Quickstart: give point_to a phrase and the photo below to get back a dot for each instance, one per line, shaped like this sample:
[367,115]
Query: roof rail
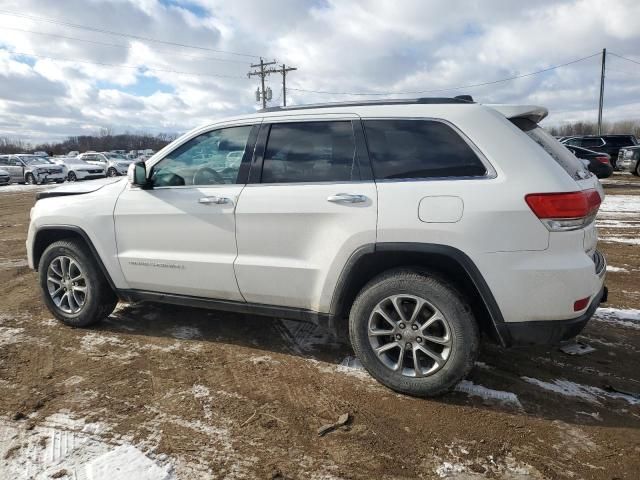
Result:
[396,101]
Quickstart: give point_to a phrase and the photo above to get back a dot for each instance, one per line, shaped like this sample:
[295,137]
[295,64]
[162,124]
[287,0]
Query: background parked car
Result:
[629,159]
[5,178]
[77,169]
[115,164]
[609,144]
[598,163]
[25,168]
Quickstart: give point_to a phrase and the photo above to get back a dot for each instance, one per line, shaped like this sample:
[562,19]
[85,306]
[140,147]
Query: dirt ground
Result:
[215,395]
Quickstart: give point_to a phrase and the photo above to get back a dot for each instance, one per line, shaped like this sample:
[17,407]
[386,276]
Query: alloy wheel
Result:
[67,284]
[409,335]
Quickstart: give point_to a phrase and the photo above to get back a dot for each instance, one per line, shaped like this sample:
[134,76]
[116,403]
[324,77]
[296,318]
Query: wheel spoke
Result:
[446,340]
[387,346]
[375,332]
[57,281]
[400,360]
[416,364]
[53,267]
[432,319]
[79,302]
[386,317]
[416,311]
[427,351]
[79,288]
[397,305]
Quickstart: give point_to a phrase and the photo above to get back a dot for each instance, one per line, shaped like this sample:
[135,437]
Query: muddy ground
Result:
[215,395]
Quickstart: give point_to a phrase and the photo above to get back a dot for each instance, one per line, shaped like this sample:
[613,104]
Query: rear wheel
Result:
[413,333]
[73,286]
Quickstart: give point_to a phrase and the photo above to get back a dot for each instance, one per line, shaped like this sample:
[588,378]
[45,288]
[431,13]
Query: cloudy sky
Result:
[57,79]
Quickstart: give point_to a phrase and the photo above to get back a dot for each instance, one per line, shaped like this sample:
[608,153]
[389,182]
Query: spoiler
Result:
[530,112]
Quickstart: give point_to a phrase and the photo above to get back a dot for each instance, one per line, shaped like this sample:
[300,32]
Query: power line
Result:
[135,67]
[110,32]
[461,87]
[624,58]
[95,42]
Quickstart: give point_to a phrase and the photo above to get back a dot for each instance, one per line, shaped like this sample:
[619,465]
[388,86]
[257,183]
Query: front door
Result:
[16,169]
[305,212]
[179,236]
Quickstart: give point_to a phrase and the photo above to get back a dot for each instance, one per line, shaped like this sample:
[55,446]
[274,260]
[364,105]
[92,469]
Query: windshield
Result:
[30,160]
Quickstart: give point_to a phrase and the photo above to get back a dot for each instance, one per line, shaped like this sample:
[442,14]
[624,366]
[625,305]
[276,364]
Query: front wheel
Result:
[112,172]
[636,172]
[413,333]
[30,179]
[73,286]
[72,177]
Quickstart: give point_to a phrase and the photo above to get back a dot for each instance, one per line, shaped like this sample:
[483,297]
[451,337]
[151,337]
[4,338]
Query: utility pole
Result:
[604,57]
[262,73]
[284,71]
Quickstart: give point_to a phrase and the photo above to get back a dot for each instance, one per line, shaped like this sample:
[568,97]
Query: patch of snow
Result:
[9,335]
[474,390]
[125,461]
[611,268]
[92,342]
[625,317]
[627,240]
[263,359]
[185,332]
[621,203]
[200,391]
[17,188]
[352,366]
[585,392]
[8,263]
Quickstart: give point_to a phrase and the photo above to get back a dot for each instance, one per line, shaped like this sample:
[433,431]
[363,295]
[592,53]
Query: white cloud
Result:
[369,46]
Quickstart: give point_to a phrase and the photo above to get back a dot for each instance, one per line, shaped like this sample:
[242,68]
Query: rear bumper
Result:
[553,332]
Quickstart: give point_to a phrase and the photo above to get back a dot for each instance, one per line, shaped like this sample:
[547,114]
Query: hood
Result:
[78,188]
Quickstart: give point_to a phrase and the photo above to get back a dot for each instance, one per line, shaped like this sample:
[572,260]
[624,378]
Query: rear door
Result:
[310,204]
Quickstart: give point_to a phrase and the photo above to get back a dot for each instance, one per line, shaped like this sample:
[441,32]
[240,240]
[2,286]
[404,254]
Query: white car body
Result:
[5,177]
[81,169]
[25,167]
[113,166]
[284,247]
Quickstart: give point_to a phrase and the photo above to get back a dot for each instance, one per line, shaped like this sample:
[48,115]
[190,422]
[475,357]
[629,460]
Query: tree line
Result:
[591,128]
[104,141]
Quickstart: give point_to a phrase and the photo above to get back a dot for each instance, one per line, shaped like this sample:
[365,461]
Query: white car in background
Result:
[114,163]
[5,177]
[77,169]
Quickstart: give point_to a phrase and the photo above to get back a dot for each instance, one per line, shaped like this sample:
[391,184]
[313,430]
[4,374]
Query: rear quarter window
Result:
[414,149]
[563,157]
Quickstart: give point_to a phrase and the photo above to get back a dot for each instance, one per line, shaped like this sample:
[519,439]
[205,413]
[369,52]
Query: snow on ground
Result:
[64,447]
[586,392]
[9,263]
[474,390]
[625,317]
[17,188]
[621,203]
[627,240]
[611,268]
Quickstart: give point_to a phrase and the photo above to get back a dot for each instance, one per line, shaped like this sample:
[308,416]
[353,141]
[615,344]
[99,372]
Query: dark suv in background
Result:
[609,144]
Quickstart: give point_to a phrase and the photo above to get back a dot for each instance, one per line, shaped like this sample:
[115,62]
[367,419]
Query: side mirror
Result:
[137,174]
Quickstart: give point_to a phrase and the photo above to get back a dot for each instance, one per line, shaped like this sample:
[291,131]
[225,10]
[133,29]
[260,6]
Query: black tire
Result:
[112,172]
[71,176]
[463,335]
[30,179]
[636,172]
[100,300]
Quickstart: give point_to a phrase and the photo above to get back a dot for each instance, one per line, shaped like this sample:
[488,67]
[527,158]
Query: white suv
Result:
[426,223]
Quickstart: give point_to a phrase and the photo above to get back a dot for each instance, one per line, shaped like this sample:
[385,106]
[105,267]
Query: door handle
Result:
[347,198]
[213,200]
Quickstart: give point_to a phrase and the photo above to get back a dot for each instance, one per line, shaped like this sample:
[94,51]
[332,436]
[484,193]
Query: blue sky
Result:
[371,46]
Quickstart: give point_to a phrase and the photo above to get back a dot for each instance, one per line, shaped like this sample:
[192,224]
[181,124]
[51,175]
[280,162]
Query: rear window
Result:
[621,141]
[408,149]
[555,149]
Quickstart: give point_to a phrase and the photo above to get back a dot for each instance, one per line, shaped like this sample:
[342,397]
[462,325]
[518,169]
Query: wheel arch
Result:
[449,262]
[48,234]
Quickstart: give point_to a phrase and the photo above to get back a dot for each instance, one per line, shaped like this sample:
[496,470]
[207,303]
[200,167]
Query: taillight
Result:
[603,159]
[565,211]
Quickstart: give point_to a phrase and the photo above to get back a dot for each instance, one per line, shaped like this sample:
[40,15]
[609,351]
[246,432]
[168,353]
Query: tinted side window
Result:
[212,158]
[4,161]
[591,142]
[310,152]
[419,149]
[621,141]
